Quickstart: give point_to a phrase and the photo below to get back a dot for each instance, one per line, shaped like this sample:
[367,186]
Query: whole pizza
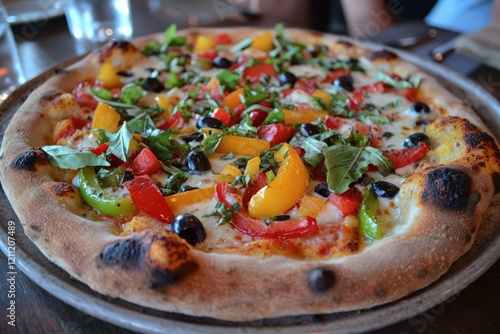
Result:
[243,174]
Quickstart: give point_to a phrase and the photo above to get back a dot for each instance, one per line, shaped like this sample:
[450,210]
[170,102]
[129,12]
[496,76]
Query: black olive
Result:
[125,74]
[320,279]
[197,161]
[209,122]
[222,62]
[421,122]
[354,61]
[363,180]
[195,136]
[127,176]
[308,129]
[152,85]
[317,49]
[322,189]
[189,228]
[415,139]
[281,217]
[420,107]
[287,78]
[345,82]
[385,189]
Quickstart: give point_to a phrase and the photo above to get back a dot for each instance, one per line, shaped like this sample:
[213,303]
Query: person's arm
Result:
[365,17]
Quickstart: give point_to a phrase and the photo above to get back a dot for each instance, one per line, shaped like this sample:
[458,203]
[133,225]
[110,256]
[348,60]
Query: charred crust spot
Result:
[35,228]
[62,189]
[478,139]
[345,43]
[320,279]
[447,188]
[380,292]
[29,159]
[496,182]
[58,71]
[125,253]
[382,55]
[422,273]
[164,258]
[107,49]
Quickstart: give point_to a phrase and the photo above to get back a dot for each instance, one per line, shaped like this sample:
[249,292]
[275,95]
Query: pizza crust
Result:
[232,286]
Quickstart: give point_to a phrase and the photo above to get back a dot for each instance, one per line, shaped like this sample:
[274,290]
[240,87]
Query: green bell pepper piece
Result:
[102,200]
[367,215]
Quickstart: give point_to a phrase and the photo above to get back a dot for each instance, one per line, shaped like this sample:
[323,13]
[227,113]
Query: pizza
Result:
[243,174]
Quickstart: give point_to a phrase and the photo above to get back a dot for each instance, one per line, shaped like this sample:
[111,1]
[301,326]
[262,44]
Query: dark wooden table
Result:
[43,44]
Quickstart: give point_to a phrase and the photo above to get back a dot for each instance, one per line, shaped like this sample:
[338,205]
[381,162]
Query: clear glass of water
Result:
[11,74]
[93,22]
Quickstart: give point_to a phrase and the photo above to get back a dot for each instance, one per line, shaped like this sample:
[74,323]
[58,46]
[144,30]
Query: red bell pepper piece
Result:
[257,228]
[146,163]
[258,183]
[307,85]
[209,54]
[253,73]
[406,156]
[100,149]
[223,39]
[83,96]
[275,133]
[257,116]
[330,78]
[174,122]
[148,198]
[348,202]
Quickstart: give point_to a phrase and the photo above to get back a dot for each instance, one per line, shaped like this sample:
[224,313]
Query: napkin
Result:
[483,45]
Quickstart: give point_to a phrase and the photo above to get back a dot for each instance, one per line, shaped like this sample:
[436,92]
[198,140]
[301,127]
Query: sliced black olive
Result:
[385,189]
[320,279]
[125,74]
[152,85]
[197,161]
[189,228]
[287,78]
[421,122]
[322,189]
[309,129]
[209,122]
[281,217]
[420,107]
[195,136]
[127,176]
[317,49]
[354,61]
[363,180]
[415,139]
[345,82]
[222,62]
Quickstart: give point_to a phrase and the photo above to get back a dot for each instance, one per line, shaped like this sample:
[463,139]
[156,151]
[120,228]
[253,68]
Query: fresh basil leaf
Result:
[210,143]
[313,150]
[254,95]
[102,95]
[173,81]
[131,94]
[174,183]
[390,105]
[68,158]
[141,124]
[152,48]
[368,116]
[346,164]
[279,27]
[162,143]
[226,214]
[270,176]
[243,44]
[386,78]
[119,141]
[241,180]
[227,156]
[229,79]
[276,116]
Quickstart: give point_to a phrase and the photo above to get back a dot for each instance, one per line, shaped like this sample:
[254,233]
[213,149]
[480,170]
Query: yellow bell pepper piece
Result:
[164,103]
[252,167]
[325,96]
[242,145]
[178,202]
[294,117]
[285,190]
[134,143]
[106,118]
[263,42]
[203,43]
[108,76]
[310,206]
[213,83]
[233,99]
[227,175]
[188,129]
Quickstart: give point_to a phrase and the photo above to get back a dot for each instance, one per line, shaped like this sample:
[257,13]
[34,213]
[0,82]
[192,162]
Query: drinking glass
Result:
[11,74]
[93,22]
